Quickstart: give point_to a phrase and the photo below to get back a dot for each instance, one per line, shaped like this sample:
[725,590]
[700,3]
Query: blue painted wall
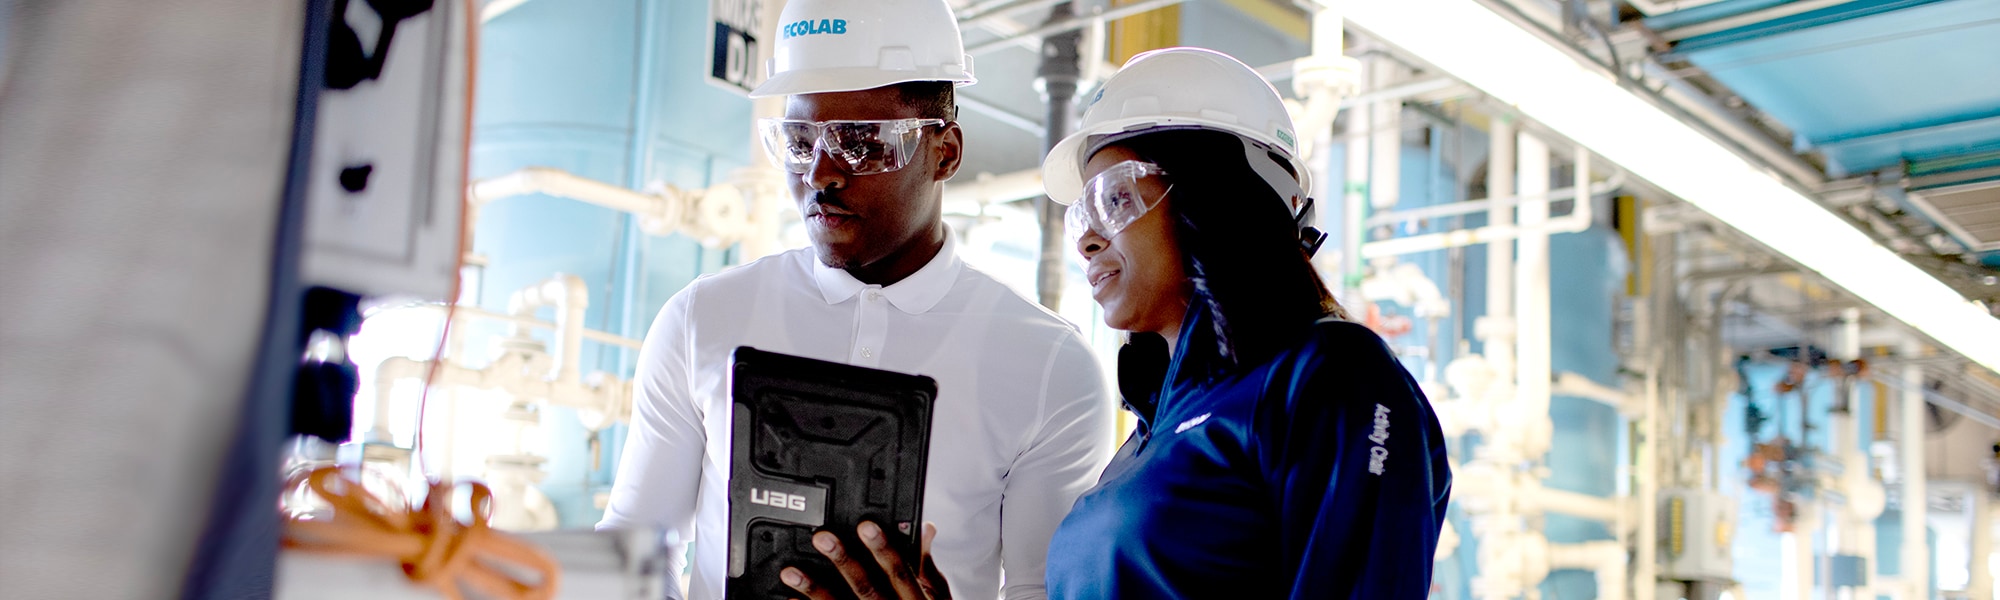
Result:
[613,91]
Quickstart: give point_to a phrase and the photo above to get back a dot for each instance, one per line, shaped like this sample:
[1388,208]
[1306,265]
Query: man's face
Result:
[856,220]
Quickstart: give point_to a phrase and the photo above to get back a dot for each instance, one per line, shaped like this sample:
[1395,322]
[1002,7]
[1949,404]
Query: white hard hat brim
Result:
[1062,169]
[854,79]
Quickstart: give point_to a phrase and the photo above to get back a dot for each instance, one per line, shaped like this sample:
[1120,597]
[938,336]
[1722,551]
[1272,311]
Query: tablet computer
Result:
[820,445]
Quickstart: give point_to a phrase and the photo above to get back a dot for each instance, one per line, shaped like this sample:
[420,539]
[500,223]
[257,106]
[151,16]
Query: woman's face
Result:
[1137,276]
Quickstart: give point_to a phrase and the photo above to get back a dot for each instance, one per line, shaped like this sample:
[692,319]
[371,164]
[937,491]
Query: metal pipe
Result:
[1796,554]
[1533,351]
[1603,558]
[1846,435]
[1613,183]
[1354,199]
[1053,27]
[1580,218]
[1004,116]
[1574,504]
[1925,394]
[601,337]
[1658,319]
[1915,497]
[567,294]
[1385,153]
[1319,80]
[1981,585]
[659,213]
[1577,386]
[1060,69]
[987,188]
[1499,325]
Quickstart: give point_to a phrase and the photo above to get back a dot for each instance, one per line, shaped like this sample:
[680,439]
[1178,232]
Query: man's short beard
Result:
[826,258]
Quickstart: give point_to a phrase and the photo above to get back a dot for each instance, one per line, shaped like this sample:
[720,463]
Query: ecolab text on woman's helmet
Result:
[848,45]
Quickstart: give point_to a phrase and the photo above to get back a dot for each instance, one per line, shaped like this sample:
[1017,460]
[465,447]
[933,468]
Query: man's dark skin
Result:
[879,228]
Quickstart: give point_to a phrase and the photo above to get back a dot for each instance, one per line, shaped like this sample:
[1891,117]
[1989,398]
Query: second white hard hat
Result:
[1181,88]
[848,45]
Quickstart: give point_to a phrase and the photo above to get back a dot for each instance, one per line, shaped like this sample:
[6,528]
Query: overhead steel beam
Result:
[1750,18]
[1889,135]
[995,112]
[1824,14]
[1945,402]
[1659,7]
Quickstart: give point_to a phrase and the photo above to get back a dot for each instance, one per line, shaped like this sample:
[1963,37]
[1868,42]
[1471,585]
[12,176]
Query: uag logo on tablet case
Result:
[778,499]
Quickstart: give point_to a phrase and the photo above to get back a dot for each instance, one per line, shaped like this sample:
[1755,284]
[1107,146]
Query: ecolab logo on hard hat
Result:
[811,27]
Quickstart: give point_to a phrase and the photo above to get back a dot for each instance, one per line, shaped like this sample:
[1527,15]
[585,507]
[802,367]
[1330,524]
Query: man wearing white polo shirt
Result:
[1023,420]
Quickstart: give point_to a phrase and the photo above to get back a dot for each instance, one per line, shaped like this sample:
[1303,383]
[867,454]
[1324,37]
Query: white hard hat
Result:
[848,45]
[1181,88]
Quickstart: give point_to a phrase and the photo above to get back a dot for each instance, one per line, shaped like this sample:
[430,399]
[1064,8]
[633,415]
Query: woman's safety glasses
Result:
[1111,201]
[862,147]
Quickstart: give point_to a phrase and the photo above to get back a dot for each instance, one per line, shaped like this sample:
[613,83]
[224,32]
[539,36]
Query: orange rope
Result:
[435,549]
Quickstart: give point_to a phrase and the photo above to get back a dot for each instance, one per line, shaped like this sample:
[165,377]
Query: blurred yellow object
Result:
[435,549]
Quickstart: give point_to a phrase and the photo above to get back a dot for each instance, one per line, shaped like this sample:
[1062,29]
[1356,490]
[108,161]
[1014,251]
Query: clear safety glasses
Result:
[1111,201]
[861,147]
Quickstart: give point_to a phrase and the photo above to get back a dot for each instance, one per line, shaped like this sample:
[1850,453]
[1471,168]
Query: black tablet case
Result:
[820,445]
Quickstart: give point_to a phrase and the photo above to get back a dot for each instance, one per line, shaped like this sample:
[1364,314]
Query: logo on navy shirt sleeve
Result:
[1378,456]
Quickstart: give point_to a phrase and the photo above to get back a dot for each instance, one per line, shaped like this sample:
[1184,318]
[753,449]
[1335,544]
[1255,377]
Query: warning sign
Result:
[732,54]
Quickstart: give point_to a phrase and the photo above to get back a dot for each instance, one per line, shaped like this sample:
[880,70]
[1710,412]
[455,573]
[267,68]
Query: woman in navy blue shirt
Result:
[1282,451]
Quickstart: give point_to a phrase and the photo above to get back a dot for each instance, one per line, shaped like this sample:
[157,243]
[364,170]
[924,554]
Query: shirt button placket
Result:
[872,329]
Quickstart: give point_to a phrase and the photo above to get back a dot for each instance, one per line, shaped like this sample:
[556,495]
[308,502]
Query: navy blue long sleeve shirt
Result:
[1320,474]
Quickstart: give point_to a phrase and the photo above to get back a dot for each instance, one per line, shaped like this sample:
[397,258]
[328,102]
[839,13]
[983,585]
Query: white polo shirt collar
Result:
[915,294]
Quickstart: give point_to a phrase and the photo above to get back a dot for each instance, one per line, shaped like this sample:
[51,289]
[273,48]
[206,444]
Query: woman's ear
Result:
[950,151]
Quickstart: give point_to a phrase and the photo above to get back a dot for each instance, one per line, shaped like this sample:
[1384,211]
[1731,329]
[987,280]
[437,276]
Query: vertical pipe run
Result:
[1916,545]
[1531,291]
[1981,585]
[1856,534]
[1500,254]
[1801,556]
[1659,338]
[1328,26]
[1354,199]
[1057,78]
[1385,132]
